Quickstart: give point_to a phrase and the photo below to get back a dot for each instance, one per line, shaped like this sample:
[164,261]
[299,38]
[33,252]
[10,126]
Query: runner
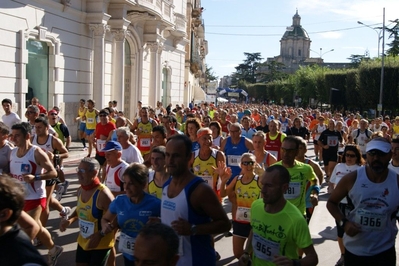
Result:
[102,132]
[247,189]
[352,159]
[94,198]
[278,228]
[26,164]
[158,176]
[132,211]
[82,122]
[90,116]
[274,138]
[370,227]
[190,206]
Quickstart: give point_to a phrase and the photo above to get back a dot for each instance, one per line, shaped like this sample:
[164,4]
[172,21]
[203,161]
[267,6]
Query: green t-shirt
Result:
[279,233]
[300,174]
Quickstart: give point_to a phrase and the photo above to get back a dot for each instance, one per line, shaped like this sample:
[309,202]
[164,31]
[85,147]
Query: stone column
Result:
[154,72]
[99,31]
[118,66]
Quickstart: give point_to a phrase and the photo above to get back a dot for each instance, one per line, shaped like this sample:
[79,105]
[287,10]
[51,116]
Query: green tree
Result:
[393,34]
[274,71]
[247,70]
[356,59]
[210,74]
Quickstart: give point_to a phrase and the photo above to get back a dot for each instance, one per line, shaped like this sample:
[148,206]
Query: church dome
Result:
[296,29]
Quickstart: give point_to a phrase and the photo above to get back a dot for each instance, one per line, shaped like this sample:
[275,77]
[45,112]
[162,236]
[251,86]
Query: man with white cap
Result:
[370,227]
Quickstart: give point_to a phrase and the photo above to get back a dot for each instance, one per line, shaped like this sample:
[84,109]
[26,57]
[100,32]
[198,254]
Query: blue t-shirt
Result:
[132,217]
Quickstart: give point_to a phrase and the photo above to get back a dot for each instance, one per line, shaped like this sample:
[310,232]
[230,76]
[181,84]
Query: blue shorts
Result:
[82,126]
[89,131]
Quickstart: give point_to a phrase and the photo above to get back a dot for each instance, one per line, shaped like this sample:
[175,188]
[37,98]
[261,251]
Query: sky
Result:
[233,27]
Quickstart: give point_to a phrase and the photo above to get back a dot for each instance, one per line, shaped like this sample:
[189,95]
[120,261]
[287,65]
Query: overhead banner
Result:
[233,94]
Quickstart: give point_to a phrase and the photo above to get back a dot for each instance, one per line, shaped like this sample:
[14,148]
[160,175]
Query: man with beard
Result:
[278,227]
[190,206]
[370,227]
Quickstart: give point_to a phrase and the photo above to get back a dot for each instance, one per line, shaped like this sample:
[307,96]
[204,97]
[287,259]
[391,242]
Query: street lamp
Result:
[321,52]
[378,34]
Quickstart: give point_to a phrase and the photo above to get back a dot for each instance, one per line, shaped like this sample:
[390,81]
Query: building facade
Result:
[126,50]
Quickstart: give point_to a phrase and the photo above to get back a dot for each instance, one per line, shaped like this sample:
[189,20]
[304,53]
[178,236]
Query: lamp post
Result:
[321,52]
[382,62]
[378,34]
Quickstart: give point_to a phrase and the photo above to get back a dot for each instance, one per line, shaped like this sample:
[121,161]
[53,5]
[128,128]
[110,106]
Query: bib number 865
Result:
[264,249]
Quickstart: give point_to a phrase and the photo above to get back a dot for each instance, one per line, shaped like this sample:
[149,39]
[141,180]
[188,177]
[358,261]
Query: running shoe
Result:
[84,149]
[66,212]
[52,258]
[317,158]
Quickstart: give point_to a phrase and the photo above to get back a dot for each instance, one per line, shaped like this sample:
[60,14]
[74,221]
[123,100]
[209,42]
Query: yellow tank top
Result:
[395,129]
[246,194]
[81,113]
[90,221]
[153,189]
[144,138]
[203,168]
[91,121]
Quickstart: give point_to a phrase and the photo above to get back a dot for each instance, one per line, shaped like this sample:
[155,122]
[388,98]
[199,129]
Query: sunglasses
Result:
[288,150]
[31,112]
[350,155]
[248,163]
[80,170]
[102,115]
[53,114]
[376,153]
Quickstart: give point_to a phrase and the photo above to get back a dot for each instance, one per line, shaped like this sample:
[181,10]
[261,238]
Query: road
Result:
[322,228]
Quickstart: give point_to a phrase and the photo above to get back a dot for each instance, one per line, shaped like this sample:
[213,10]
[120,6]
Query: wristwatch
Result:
[102,234]
[193,229]
[342,222]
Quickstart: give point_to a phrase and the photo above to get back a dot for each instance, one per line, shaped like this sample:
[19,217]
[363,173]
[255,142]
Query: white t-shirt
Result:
[132,155]
[339,171]
[393,168]
[11,119]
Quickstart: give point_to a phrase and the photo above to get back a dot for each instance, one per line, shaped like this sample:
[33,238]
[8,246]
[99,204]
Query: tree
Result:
[393,34]
[210,74]
[247,70]
[274,71]
[356,59]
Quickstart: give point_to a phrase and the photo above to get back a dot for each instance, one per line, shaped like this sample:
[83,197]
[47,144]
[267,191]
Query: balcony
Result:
[196,13]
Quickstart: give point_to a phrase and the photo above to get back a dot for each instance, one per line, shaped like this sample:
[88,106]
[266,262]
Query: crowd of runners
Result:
[158,179]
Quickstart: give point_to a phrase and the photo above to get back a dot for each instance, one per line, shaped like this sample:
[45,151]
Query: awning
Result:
[222,100]
[199,94]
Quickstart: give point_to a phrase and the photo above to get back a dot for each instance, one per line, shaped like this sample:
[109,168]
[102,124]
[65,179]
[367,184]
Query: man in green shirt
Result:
[278,227]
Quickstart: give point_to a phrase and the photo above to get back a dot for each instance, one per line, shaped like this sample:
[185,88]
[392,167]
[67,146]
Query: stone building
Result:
[126,50]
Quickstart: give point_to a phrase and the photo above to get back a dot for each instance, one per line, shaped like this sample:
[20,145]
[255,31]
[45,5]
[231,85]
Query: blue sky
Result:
[330,25]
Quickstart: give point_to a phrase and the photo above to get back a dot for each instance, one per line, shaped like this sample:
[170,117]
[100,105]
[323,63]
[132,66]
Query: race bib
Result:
[145,142]
[224,134]
[243,214]
[126,244]
[90,120]
[86,228]
[265,249]
[293,191]
[332,141]
[101,144]
[283,127]
[233,160]
[370,220]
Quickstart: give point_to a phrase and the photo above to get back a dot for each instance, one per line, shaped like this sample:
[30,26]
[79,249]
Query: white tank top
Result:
[375,209]
[47,146]
[28,165]
[217,141]
[115,176]
[319,130]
